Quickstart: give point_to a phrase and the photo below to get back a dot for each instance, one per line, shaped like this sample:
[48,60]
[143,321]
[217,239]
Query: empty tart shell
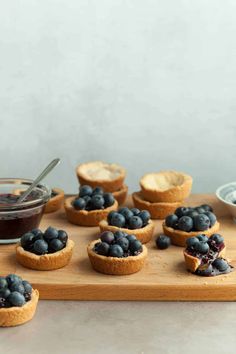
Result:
[55,203]
[114,265]
[100,174]
[193,263]
[179,237]
[85,217]
[14,316]
[48,261]
[121,194]
[166,186]
[158,210]
[144,234]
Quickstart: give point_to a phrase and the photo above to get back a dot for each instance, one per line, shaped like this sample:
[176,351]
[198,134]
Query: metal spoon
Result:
[45,172]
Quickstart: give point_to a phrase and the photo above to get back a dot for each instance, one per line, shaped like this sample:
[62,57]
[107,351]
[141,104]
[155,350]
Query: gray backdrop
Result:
[148,84]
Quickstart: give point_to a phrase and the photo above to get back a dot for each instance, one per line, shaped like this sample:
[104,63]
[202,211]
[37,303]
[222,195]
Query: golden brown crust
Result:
[109,185]
[14,316]
[48,261]
[144,234]
[114,265]
[84,217]
[193,263]
[55,203]
[157,210]
[121,194]
[179,237]
[179,188]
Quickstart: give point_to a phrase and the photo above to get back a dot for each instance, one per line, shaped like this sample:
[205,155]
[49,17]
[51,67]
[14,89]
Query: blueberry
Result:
[202,238]
[181,211]
[206,207]
[109,216]
[2,302]
[217,238]
[192,241]
[200,210]
[171,220]
[79,204]
[40,247]
[135,222]
[202,247]
[98,190]
[212,217]
[135,211]
[107,236]
[192,213]
[55,245]
[16,299]
[27,286]
[12,278]
[163,242]
[85,191]
[19,287]
[62,236]
[117,220]
[126,212]
[97,201]
[220,264]
[27,240]
[206,272]
[135,247]
[123,243]
[185,223]
[50,233]
[109,200]
[87,199]
[131,238]
[119,234]
[3,283]
[116,251]
[145,216]
[37,232]
[201,222]
[4,293]
[102,248]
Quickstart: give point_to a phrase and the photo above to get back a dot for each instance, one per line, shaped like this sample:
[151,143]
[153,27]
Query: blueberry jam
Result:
[207,251]
[118,244]
[129,218]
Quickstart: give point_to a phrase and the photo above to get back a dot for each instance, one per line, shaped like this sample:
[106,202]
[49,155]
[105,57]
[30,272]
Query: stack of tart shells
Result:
[162,201]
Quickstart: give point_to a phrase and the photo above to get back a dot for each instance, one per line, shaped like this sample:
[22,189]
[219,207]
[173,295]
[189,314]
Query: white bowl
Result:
[227,195]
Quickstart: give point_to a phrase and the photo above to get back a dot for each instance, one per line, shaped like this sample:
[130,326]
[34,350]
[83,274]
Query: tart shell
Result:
[85,217]
[171,195]
[114,265]
[55,203]
[193,263]
[121,194]
[48,261]
[144,234]
[158,210]
[14,316]
[109,185]
[179,237]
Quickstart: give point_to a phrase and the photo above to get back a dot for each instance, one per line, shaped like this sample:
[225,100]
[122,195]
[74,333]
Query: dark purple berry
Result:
[107,236]
[185,223]
[135,222]
[171,220]
[163,242]
[85,191]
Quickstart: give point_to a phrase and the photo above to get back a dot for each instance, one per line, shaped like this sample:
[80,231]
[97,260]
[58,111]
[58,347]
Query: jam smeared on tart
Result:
[14,292]
[50,241]
[118,244]
[92,199]
[189,219]
[207,251]
[129,218]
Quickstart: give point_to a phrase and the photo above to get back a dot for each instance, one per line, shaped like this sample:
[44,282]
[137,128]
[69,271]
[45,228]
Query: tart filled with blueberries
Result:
[189,222]
[131,221]
[205,256]
[44,250]
[18,300]
[90,206]
[117,253]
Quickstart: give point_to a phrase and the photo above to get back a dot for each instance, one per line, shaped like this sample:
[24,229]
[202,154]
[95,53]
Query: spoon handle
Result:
[52,164]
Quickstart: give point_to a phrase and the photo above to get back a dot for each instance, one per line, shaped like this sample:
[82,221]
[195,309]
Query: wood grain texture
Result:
[164,276]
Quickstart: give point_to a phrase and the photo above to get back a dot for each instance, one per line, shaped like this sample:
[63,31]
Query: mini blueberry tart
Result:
[18,301]
[117,253]
[100,174]
[166,186]
[131,221]
[189,222]
[205,256]
[56,201]
[121,194]
[44,251]
[157,210]
[90,207]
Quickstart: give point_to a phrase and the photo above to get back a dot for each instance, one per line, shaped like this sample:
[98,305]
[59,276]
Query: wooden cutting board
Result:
[164,276]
